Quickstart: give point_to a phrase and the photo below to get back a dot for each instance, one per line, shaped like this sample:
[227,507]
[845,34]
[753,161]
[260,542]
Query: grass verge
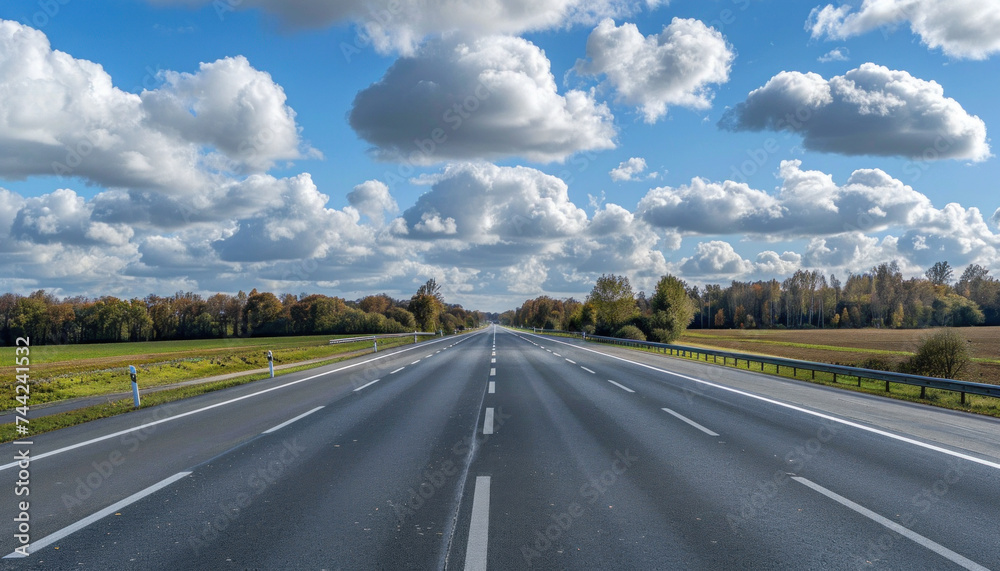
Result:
[123,406]
[935,397]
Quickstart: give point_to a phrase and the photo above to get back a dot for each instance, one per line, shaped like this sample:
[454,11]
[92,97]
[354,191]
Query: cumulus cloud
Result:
[965,29]
[841,221]
[230,106]
[628,170]
[485,98]
[871,110]
[809,203]
[63,216]
[486,204]
[837,54]
[62,115]
[402,24]
[715,258]
[372,199]
[675,67]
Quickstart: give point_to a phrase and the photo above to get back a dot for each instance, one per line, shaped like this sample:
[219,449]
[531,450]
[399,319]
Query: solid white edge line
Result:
[621,386]
[397,370]
[203,409]
[852,424]
[74,527]
[588,370]
[479,526]
[299,417]
[570,361]
[691,422]
[905,532]
[488,421]
[493,387]
[366,385]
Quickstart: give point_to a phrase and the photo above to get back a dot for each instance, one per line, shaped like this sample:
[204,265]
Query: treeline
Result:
[613,308]
[49,320]
[879,297]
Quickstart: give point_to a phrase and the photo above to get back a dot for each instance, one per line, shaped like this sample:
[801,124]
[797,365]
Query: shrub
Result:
[663,335]
[944,354]
[630,332]
[876,364]
[588,329]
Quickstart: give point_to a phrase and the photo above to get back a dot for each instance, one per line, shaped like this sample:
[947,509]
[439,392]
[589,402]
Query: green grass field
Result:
[64,372]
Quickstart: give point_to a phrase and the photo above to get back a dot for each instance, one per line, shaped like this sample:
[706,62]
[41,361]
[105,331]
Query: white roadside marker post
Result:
[270,363]
[135,385]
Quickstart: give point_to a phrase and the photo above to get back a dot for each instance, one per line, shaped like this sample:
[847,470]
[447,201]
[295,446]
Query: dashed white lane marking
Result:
[397,370]
[479,527]
[621,386]
[488,421]
[813,413]
[556,354]
[301,416]
[570,361]
[493,387]
[415,362]
[691,422]
[493,372]
[588,370]
[915,537]
[429,356]
[493,360]
[205,408]
[74,527]
[494,354]
[366,385]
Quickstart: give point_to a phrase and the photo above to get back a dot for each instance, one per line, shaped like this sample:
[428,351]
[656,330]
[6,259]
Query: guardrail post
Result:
[135,385]
[963,397]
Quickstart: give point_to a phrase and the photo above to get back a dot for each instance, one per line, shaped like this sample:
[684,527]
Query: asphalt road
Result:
[504,450]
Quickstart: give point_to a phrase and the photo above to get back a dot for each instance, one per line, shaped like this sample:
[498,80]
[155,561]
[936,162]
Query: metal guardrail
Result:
[963,387]
[375,338]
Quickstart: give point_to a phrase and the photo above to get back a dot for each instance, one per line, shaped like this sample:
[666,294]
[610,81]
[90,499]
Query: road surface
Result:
[506,450]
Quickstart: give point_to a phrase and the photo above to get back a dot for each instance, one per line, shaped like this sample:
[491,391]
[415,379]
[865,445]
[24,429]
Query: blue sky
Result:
[271,144]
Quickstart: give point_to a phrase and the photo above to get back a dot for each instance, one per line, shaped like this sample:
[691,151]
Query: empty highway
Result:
[506,450]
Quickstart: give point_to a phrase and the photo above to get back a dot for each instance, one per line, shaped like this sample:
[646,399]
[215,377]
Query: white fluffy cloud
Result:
[675,67]
[372,199]
[715,259]
[836,54]
[62,115]
[871,110]
[628,170]
[484,98]
[402,24]
[961,28]
[230,106]
[487,204]
[809,203]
